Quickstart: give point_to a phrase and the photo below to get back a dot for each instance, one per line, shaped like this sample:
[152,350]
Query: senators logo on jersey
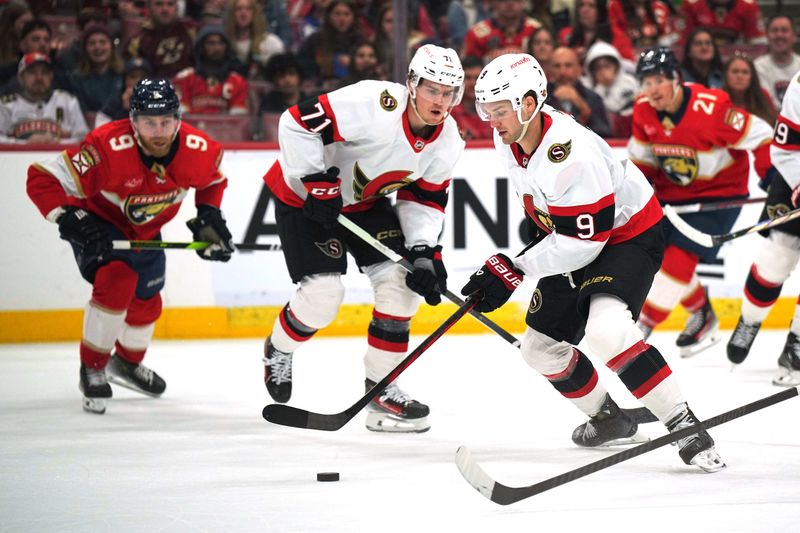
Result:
[539,217]
[386,183]
[679,163]
[142,208]
[388,102]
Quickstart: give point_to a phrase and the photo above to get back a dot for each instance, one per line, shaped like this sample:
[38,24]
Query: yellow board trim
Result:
[352,320]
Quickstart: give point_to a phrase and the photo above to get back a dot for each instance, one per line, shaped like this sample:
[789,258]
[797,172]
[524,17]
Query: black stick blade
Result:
[285,415]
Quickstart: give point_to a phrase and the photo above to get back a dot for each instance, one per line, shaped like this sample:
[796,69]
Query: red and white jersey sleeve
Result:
[576,190]
[363,130]
[785,148]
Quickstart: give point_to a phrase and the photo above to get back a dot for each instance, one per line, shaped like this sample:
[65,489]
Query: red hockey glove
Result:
[497,279]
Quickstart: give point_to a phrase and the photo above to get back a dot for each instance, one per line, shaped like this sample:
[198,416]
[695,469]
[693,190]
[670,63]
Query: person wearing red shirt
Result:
[506,32]
[728,21]
[471,126]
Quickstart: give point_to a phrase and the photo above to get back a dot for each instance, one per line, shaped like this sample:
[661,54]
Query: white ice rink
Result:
[201,458]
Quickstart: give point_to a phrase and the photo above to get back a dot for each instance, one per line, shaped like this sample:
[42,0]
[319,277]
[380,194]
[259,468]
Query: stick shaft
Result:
[195,245]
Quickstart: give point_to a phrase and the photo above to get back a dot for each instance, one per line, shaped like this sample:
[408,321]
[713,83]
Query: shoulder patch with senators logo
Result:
[85,159]
[558,152]
[735,119]
[388,102]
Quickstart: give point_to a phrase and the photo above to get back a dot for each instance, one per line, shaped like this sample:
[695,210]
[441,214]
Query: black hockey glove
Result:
[429,278]
[85,229]
[764,183]
[209,226]
[324,201]
[497,279]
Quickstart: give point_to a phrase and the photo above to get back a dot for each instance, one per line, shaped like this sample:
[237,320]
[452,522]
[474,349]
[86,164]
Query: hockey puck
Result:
[327,476]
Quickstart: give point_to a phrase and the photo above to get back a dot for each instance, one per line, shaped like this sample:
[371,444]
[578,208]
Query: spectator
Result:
[118,106]
[211,13]
[742,85]
[38,113]
[284,72]
[471,126]
[641,23]
[36,37]
[213,86]
[507,31]
[278,21]
[568,94]
[97,76]
[616,87]
[308,16]
[463,15]
[776,68]
[164,41]
[590,25]
[728,21]
[325,54]
[12,19]
[69,57]
[541,46]
[701,61]
[384,38]
[246,28]
[364,64]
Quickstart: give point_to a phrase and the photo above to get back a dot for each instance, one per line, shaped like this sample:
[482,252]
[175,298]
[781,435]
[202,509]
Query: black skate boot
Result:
[789,363]
[136,377]
[697,449]
[277,372]
[701,332]
[95,389]
[393,411]
[610,426]
[741,341]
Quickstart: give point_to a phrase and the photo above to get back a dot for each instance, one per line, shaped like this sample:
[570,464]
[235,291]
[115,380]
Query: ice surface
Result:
[201,458]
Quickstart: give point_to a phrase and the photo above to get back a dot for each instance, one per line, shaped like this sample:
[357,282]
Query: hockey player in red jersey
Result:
[345,151]
[599,246]
[125,181]
[780,251]
[692,144]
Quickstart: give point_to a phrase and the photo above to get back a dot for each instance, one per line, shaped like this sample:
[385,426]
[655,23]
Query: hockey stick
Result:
[504,495]
[286,415]
[197,245]
[403,262]
[640,415]
[710,241]
[715,206]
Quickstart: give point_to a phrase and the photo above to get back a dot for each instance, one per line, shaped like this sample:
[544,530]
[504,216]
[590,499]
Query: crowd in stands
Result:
[237,64]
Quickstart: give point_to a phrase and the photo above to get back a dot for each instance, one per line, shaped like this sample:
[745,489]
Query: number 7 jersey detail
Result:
[583,199]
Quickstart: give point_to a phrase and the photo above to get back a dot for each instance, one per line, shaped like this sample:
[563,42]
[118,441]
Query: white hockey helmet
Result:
[437,64]
[510,77]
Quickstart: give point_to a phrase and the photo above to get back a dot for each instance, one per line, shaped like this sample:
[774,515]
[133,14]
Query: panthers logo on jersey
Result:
[386,183]
[679,163]
[142,208]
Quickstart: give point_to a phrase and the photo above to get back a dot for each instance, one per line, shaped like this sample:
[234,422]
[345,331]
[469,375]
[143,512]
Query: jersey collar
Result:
[519,154]
[677,115]
[418,143]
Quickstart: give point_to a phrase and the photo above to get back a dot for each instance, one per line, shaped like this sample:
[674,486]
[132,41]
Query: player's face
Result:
[659,90]
[502,117]
[434,100]
[156,133]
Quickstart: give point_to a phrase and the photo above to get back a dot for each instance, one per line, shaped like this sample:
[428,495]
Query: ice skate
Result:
[611,426]
[789,363]
[697,449]
[393,411]
[701,332]
[136,377]
[277,372]
[741,340]
[95,388]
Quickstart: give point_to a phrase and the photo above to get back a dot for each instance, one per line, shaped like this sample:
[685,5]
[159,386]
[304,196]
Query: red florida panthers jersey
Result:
[700,150]
[108,176]
[739,19]
[210,95]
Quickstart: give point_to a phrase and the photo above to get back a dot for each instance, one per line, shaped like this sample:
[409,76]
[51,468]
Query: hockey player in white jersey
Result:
[345,151]
[780,251]
[599,246]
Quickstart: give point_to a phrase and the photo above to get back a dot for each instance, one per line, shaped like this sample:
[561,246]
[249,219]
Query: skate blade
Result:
[386,423]
[787,378]
[636,438]
[116,380]
[94,405]
[704,344]
[708,461]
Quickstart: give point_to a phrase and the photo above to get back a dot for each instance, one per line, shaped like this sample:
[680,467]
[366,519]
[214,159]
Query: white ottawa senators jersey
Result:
[363,130]
[577,191]
[109,176]
[785,149]
[700,151]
